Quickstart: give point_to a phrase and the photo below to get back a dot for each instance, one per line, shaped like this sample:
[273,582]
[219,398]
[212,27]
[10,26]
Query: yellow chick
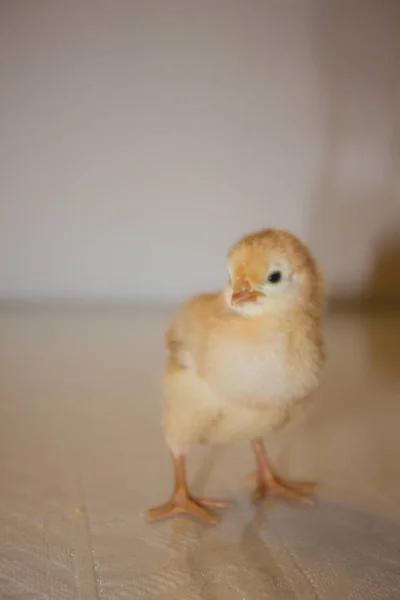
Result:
[240,359]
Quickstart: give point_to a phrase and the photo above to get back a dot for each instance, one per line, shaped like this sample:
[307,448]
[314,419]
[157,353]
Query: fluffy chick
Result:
[240,359]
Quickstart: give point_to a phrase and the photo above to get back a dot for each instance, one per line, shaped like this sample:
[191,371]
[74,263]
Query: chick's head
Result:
[272,269]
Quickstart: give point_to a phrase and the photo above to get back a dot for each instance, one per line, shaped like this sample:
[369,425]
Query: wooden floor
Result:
[82,457]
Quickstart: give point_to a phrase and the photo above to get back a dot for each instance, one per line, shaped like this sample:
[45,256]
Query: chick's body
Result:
[230,377]
[239,360]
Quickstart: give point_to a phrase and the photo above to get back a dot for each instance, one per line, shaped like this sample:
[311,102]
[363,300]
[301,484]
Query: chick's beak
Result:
[243,292]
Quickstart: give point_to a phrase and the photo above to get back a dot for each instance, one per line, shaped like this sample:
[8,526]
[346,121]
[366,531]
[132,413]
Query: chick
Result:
[240,359]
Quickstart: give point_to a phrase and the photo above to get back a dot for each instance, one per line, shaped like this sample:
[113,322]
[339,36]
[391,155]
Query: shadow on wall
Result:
[382,288]
[382,298]
[355,215]
[384,282]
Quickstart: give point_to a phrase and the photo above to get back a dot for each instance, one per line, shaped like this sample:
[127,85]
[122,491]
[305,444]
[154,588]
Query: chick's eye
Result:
[275,277]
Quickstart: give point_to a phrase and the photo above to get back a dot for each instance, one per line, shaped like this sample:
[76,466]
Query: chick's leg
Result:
[267,482]
[182,502]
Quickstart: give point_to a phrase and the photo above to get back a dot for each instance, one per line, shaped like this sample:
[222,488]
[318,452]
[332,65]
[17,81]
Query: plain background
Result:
[140,138]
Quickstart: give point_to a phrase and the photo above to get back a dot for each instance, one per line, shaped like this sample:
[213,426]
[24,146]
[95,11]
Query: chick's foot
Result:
[271,484]
[265,482]
[182,503]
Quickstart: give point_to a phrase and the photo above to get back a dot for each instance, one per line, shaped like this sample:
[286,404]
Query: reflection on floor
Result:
[82,456]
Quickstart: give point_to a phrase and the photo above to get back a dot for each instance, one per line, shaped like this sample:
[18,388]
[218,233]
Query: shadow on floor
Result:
[331,551]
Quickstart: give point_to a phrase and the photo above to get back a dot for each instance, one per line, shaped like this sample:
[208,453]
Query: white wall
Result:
[140,138]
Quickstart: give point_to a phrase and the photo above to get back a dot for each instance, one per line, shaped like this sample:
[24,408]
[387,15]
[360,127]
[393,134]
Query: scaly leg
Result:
[267,482]
[183,503]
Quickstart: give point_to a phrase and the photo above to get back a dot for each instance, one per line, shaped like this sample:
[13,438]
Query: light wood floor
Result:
[82,457]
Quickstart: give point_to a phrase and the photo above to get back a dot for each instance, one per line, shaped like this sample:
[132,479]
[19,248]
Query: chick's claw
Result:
[183,505]
[273,485]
